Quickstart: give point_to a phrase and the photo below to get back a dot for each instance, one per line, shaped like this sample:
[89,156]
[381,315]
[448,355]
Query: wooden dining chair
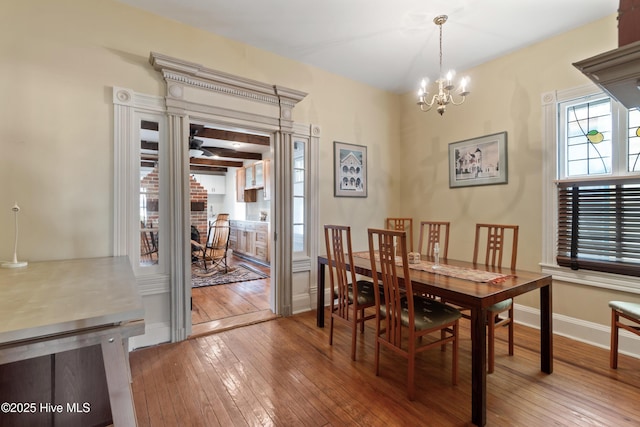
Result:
[397,308]
[432,232]
[490,246]
[629,311]
[401,224]
[350,297]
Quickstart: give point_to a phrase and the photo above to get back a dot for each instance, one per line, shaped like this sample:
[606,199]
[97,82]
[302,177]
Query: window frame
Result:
[551,172]
[305,141]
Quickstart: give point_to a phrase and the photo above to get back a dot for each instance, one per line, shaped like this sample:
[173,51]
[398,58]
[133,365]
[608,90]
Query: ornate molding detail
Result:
[122,96]
[195,75]
[176,91]
[214,87]
[548,98]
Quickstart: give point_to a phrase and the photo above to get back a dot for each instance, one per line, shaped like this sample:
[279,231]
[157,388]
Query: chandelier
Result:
[446,87]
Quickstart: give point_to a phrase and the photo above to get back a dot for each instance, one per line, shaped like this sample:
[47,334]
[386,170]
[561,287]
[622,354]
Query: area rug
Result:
[237,273]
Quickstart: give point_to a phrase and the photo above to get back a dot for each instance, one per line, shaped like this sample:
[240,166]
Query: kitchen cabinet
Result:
[240,184]
[267,181]
[242,194]
[250,239]
[214,184]
[254,176]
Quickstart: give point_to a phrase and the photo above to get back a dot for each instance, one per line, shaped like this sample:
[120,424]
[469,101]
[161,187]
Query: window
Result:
[598,186]
[299,195]
[149,194]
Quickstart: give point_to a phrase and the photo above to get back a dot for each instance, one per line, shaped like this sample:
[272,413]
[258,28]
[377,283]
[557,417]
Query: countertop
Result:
[55,297]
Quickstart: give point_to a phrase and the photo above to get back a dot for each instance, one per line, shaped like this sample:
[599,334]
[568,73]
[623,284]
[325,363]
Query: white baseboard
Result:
[155,333]
[580,330]
[301,303]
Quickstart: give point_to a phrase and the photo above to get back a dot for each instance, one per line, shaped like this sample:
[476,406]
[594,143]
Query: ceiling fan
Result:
[195,146]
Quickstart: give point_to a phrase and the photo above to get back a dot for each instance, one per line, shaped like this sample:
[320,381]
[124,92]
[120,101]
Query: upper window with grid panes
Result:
[598,138]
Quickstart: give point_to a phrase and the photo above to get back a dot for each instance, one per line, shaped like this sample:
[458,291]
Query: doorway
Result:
[228,179]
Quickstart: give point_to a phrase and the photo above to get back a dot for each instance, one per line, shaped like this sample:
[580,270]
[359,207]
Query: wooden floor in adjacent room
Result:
[284,373]
[221,307]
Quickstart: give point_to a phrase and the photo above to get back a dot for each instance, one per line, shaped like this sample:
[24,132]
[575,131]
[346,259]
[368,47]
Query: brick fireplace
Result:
[198,193]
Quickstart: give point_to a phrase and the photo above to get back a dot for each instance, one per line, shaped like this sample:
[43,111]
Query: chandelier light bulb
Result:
[463,86]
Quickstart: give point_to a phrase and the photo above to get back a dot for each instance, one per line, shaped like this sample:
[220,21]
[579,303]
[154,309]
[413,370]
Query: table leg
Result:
[320,296]
[118,381]
[478,367]
[546,330]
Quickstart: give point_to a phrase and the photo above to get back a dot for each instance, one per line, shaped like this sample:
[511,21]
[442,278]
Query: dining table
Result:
[475,287]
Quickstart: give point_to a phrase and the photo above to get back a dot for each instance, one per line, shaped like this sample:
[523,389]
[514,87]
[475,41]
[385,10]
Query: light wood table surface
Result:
[55,306]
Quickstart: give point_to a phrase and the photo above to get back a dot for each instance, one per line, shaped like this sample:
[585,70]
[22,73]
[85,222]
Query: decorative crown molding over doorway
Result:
[195,92]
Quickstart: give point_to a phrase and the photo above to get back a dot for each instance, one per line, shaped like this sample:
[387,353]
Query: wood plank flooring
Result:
[284,373]
[214,303]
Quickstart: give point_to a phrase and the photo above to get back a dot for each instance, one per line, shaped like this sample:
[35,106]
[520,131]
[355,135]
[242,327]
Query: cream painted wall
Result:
[59,60]
[506,96]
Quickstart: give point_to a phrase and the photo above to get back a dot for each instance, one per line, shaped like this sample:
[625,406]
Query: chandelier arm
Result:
[457,103]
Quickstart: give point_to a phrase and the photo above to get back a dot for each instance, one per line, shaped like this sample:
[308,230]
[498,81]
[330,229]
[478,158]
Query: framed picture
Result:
[349,170]
[478,161]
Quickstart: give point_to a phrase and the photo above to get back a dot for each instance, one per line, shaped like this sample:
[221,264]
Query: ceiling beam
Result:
[207,162]
[227,135]
[209,170]
[222,152]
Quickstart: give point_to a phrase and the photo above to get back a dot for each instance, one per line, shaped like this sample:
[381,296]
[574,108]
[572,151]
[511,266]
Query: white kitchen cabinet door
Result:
[214,184]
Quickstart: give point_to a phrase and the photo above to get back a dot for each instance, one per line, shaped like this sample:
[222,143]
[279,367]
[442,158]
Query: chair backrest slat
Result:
[383,247]
[401,224]
[495,236]
[432,232]
[339,254]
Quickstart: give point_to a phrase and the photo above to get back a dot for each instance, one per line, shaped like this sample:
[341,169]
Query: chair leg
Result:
[354,335]
[511,326]
[331,330]
[613,355]
[411,368]
[454,367]
[362,323]
[491,329]
[377,356]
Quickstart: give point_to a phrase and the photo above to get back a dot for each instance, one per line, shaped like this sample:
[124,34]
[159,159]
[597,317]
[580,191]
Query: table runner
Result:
[471,274]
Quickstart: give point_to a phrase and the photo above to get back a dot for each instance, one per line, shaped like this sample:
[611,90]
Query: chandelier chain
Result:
[440,25]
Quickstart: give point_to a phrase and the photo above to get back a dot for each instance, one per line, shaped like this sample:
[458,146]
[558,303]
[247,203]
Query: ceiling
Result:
[222,148]
[387,44]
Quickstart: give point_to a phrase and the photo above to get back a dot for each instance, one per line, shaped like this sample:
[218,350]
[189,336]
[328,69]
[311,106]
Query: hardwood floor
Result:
[213,304]
[284,373]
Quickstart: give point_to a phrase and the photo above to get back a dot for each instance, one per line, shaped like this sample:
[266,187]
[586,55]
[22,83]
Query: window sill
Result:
[596,279]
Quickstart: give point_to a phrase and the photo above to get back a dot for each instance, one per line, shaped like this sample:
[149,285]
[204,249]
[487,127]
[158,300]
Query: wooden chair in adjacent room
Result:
[214,251]
[149,245]
[489,249]
[401,224]
[629,311]
[395,310]
[350,297]
[432,232]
